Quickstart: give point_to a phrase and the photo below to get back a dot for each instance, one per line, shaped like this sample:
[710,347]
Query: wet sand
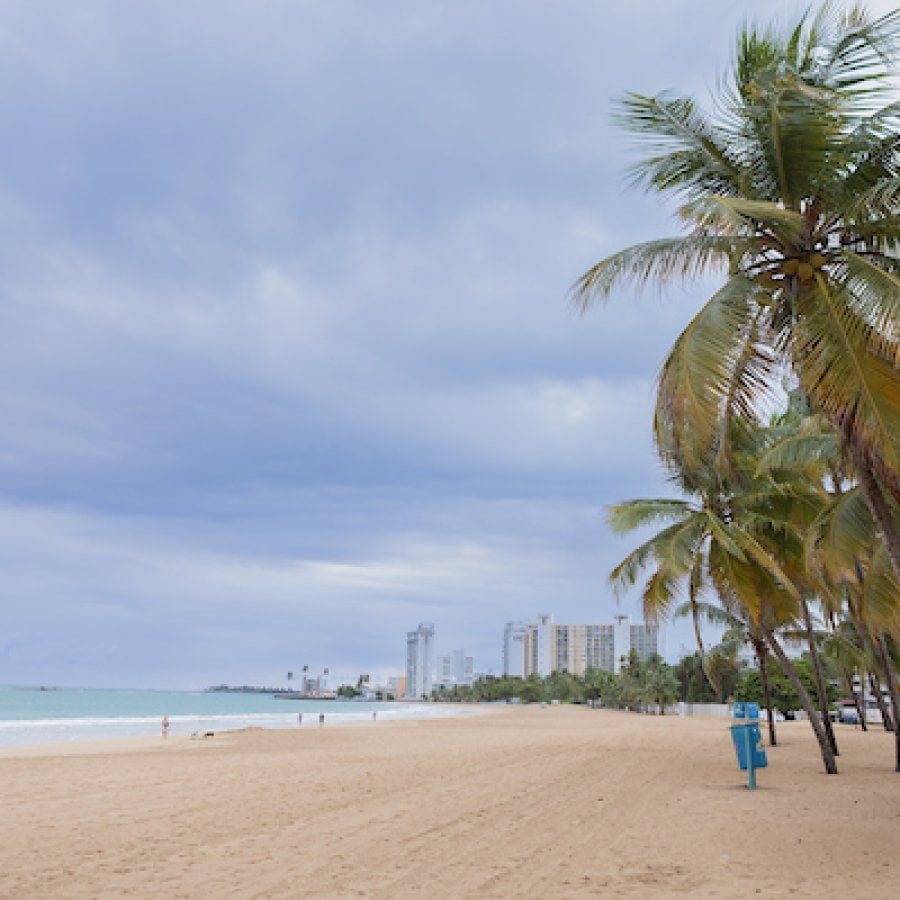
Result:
[518,802]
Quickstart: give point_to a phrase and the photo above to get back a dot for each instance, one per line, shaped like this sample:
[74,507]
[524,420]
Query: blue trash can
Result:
[745,735]
[740,745]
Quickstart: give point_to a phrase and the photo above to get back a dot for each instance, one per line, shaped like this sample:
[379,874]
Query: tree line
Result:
[640,685]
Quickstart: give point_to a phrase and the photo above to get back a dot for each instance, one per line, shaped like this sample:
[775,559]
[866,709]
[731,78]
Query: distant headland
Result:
[243,689]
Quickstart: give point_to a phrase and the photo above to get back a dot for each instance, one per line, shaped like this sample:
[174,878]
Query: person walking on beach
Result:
[299,718]
[321,719]
[165,726]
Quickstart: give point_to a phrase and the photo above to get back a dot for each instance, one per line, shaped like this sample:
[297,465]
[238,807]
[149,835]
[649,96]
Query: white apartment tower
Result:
[621,640]
[419,661]
[544,648]
[540,646]
[462,667]
[514,649]
[455,668]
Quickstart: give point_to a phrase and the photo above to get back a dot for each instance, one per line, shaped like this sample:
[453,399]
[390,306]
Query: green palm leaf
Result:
[624,517]
[697,376]
[656,262]
[843,376]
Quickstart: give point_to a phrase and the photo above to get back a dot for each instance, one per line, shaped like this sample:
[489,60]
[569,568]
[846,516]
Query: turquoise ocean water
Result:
[34,716]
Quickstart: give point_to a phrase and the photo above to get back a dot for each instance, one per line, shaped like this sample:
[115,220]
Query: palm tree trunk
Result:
[821,690]
[887,720]
[759,647]
[878,505]
[857,702]
[862,635]
[895,695]
[862,700]
[867,641]
[824,744]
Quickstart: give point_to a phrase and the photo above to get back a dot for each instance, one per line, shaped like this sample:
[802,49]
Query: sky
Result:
[288,362]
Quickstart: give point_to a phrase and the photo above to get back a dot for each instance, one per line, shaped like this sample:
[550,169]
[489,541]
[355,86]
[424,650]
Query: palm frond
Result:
[841,538]
[654,262]
[698,375]
[849,382]
[672,548]
[740,216]
[659,594]
[713,614]
[624,517]
[799,451]
[875,294]
[687,155]
[882,596]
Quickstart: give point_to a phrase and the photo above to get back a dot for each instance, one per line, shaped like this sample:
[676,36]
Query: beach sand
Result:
[518,802]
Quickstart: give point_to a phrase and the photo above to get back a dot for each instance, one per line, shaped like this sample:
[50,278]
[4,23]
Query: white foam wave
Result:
[19,732]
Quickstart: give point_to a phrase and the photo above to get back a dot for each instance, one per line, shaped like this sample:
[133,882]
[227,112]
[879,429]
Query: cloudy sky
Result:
[287,362]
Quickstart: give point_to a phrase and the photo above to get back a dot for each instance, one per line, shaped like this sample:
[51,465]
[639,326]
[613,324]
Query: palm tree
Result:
[847,565]
[842,648]
[791,188]
[848,561]
[599,684]
[660,685]
[739,539]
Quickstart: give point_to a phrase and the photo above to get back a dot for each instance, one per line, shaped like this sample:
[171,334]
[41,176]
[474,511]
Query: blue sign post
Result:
[746,737]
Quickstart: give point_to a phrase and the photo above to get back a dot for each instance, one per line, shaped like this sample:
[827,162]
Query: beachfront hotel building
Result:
[541,646]
[514,649]
[549,647]
[455,668]
[419,661]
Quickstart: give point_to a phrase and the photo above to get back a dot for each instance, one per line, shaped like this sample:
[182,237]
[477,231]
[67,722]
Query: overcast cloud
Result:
[286,358]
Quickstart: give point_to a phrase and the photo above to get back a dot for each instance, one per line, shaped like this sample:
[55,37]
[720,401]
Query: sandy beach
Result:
[517,802]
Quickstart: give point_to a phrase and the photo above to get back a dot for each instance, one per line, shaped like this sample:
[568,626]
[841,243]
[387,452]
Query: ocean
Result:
[57,715]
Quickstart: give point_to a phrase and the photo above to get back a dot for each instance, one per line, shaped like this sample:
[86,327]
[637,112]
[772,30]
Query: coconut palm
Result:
[842,647]
[791,188]
[660,684]
[848,566]
[738,539]
[846,557]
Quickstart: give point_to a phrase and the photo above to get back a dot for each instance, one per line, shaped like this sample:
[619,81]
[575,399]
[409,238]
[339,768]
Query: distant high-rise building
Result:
[645,640]
[444,673]
[540,650]
[599,647]
[396,686]
[514,649]
[455,668]
[462,667]
[419,661]
[549,647]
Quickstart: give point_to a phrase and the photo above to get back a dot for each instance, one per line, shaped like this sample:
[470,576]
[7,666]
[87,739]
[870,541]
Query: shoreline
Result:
[528,801]
[74,730]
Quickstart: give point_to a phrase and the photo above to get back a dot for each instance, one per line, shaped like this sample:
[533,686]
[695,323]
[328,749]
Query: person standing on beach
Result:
[321,719]
[165,726]
[299,718]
